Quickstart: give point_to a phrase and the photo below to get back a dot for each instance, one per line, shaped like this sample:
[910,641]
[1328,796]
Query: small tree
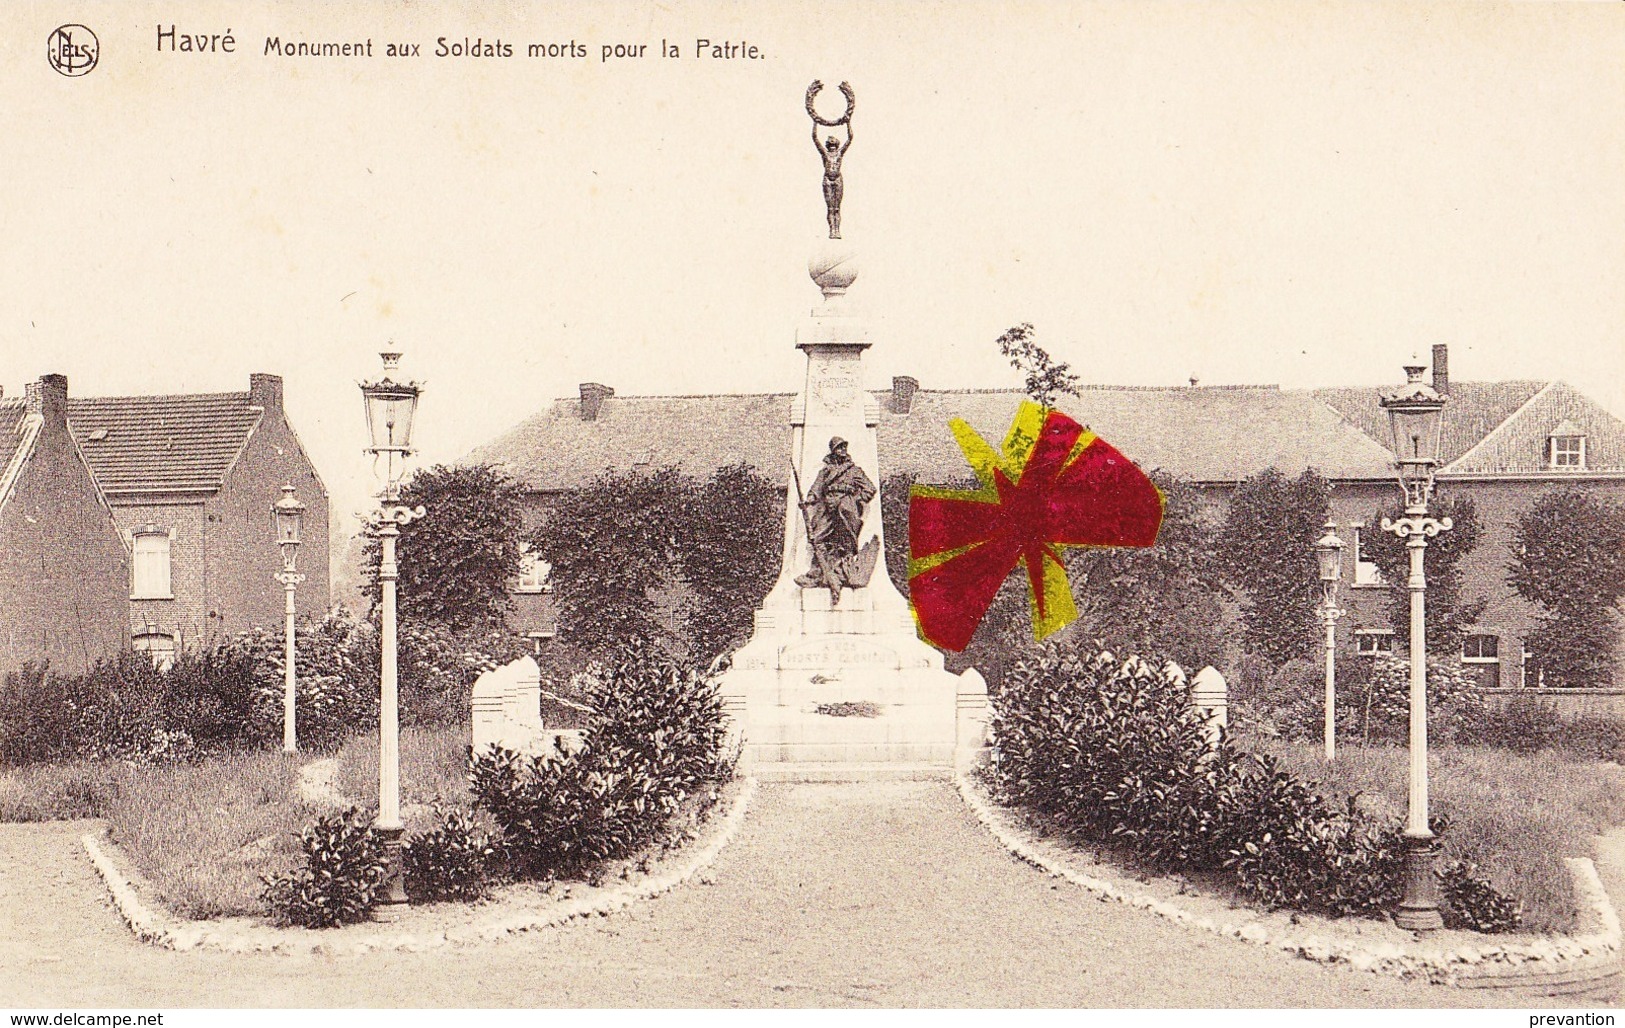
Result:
[455,562]
[611,546]
[728,540]
[1448,615]
[659,557]
[1045,377]
[1568,556]
[1265,552]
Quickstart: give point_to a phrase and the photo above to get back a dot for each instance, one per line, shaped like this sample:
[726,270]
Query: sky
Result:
[1294,193]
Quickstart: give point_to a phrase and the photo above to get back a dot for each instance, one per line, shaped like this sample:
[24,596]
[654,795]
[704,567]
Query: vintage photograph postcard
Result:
[812,505]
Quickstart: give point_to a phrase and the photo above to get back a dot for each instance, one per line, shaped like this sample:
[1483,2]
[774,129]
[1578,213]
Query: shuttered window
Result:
[149,571]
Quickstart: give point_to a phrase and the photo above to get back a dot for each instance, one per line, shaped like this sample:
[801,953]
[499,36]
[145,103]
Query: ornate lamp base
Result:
[392,897]
[1419,910]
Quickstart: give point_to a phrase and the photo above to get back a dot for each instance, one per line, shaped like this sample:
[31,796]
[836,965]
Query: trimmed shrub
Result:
[336,692]
[344,869]
[1472,902]
[454,861]
[654,736]
[1114,750]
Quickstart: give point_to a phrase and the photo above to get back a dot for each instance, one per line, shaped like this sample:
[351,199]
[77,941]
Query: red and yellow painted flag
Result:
[1054,484]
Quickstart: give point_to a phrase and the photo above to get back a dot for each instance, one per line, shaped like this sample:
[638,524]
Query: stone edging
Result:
[1560,962]
[162,929]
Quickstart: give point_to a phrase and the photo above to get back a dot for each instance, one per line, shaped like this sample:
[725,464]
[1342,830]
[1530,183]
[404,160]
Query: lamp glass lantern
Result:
[1416,420]
[1329,556]
[289,515]
[391,409]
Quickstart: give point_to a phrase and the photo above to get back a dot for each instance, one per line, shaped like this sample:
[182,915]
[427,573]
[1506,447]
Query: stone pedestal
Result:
[508,712]
[844,683]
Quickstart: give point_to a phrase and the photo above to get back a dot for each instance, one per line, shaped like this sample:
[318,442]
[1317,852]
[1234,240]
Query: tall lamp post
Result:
[1415,415]
[289,515]
[1329,554]
[390,409]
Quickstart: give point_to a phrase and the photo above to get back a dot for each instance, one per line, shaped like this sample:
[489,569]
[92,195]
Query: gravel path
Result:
[881,894]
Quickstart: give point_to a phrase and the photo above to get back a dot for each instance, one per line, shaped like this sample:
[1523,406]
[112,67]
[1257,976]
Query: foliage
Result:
[1114,750]
[453,861]
[1470,900]
[1164,597]
[1568,556]
[456,562]
[438,667]
[1448,615]
[1265,552]
[657,555]
[655,735]
[729,534]
[339,884]
[1044,376]
[1379,707]
[1527,725]
[336,686]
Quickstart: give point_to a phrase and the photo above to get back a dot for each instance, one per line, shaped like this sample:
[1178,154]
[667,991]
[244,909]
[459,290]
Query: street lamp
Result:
[1415,414]
[289,515]
[1329,553]
[390,409]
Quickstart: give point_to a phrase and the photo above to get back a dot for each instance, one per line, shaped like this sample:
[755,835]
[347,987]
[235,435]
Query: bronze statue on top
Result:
[832,512]
[831,149]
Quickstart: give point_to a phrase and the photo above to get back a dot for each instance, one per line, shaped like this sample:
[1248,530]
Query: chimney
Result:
[592,399]
[903,388]
[49,399]
[265,391]
[1441,369]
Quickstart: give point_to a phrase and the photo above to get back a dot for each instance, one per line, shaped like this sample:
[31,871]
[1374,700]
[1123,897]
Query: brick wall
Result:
[185,615]
[243,556]
[64,573]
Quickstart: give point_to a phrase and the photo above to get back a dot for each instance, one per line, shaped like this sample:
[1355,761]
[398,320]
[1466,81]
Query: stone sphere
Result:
[833,268]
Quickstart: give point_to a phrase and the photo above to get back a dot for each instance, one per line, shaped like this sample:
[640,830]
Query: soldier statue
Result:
[832,511]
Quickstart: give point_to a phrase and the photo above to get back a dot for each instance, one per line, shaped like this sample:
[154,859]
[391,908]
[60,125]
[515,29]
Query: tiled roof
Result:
[1519,445]
[1210,434]
[1473,411]
[14,439]
[162,443]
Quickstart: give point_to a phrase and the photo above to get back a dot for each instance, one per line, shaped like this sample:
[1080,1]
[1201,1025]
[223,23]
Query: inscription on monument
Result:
[838,652]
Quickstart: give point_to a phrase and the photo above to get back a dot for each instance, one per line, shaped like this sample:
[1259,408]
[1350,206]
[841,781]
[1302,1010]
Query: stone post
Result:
[1211,695]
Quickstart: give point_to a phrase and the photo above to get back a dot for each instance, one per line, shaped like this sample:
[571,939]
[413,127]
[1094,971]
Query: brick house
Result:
[1505,442]
[156,514]
[64,568]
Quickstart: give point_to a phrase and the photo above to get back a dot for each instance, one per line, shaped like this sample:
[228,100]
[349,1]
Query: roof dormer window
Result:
[1566,447]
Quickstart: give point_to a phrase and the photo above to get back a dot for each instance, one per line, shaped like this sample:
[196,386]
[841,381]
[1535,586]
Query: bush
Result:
[1380,707]
[454,861]
[336,692]
[438,667]
[1472,902]
[1115,750]
[655,735]
[344,869]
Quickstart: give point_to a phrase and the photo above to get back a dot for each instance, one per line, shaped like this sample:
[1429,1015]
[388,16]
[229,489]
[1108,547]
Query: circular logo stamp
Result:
[72,50]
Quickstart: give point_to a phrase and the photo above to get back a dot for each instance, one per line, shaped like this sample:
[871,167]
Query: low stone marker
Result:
[1211,695]
[507,705]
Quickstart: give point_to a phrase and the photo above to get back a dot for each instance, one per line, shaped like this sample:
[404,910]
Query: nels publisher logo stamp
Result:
[72,50]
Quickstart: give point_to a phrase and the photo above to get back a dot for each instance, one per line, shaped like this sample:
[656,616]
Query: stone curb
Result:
[1590,957]
[163,929]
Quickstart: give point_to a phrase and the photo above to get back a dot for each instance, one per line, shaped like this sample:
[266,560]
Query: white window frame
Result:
[1481,659]
[164,587]
[1362,635]
[1559,453]
[1366,572]
[162,659]
[535,574]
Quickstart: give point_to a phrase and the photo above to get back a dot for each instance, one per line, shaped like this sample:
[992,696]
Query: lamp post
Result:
[1415,415]
[288,514]
[390,409]
[1329,554]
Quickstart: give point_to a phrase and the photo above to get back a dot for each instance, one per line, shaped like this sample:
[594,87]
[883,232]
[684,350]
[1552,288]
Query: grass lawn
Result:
[434,771]
[1517,816]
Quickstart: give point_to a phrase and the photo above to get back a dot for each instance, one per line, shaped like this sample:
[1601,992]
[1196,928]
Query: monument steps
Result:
[844,771]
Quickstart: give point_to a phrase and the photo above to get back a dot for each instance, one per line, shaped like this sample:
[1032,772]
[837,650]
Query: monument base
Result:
[821,687]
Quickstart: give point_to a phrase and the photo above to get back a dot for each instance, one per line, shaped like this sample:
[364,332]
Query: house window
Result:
[1481,649]
[534,573]
[1365,571]
[1568,451]
[149,570]
[158,646]
[1368,642]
